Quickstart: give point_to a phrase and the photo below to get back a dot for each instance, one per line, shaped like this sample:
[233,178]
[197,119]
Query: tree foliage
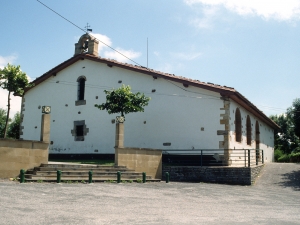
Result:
[14,81]
[14,127]
[123,101]
[287,138]
[294,114]
[2,121]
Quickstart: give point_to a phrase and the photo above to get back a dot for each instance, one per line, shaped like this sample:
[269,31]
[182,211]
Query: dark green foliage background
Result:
[287,138]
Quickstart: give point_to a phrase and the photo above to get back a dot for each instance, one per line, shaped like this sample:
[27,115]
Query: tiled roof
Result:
[223,90]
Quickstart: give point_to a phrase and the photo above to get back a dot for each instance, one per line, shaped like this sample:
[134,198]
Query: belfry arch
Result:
[87,44]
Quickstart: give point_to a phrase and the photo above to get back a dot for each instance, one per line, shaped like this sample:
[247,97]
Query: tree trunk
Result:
[7,117]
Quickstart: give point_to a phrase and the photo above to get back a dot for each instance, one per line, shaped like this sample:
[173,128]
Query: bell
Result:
[86,45]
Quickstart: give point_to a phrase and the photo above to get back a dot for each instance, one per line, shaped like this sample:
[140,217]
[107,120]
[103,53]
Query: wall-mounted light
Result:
[120,119]
[46,109]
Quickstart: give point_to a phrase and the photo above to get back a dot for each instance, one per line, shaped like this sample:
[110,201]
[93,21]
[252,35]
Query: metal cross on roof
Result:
[87,28]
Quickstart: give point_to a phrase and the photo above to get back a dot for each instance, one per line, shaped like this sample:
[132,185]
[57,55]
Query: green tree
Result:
[2,121]
[14,81]
[14,127]
[294,114]
[285,138]
[123,101]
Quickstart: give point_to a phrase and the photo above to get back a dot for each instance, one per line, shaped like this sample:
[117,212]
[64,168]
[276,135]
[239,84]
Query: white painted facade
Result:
[182,113]
[266,133]
[173,115]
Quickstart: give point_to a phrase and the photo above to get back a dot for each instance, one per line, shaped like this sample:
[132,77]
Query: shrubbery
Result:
[292,157]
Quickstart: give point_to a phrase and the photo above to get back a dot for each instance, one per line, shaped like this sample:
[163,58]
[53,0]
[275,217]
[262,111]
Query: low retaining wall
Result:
[140,160]
[226,175]
[19,154]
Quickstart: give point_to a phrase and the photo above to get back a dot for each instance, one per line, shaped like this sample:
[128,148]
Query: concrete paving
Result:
[273,199]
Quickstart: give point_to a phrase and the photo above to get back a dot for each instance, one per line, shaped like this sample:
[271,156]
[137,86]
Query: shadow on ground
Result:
[291,180]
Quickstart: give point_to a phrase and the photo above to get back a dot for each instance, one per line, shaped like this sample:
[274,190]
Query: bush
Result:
[277,154]
[296,150]
[284,158]
[295,157]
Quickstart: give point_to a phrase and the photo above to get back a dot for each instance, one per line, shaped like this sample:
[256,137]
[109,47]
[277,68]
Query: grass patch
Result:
[97,162]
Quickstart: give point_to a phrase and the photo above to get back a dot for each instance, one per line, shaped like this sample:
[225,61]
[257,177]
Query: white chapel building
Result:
[182,113]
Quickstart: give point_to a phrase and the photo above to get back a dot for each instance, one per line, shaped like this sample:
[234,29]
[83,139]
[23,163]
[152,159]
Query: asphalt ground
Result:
[273,199]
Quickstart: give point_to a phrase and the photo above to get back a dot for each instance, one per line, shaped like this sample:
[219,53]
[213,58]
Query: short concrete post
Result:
[45,128]
[167,177]
[58,176]
[118,177]
[90,176]
[22,176]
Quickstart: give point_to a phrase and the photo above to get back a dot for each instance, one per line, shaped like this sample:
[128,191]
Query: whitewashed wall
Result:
[173,115]
[266,133]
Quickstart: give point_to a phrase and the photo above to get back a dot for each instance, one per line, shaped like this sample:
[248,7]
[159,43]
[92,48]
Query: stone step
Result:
[80,172]
[83,173]
[75,165]
[76,177]
[81,169]
[96,179]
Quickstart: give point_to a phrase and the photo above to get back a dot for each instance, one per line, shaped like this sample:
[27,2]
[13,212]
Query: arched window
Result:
[238,125]
[248,128]
[80,91]
[81,85]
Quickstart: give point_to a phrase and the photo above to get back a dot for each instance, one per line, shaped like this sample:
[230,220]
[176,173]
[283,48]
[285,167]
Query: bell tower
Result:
[87,44]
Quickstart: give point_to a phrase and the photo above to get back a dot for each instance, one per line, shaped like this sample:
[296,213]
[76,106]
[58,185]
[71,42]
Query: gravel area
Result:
[273,199]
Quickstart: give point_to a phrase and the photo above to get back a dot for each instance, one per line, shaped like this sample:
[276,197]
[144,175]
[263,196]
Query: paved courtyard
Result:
[274,199]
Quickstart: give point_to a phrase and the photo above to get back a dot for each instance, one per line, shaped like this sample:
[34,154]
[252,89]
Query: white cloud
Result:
[107,52]
[186,56]
[277,9]
[7,59]
[156,53]
[15,102]
[166,68]
[102,39]
[117,56]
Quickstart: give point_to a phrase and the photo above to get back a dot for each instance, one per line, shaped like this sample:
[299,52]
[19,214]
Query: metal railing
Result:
[213,157]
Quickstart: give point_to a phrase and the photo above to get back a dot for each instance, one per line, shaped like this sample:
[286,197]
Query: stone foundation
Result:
[225,175]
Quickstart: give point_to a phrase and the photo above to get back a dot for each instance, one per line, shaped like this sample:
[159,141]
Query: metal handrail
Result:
[221,157]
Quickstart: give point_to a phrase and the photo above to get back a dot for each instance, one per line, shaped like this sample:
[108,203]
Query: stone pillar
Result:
[45,128]
[119,141]
[93,47]
[225,133]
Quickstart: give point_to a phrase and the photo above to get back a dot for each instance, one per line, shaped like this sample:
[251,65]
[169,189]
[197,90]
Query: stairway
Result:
[71,172]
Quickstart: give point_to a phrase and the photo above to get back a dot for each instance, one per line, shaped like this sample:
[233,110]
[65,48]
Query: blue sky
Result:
[251,45]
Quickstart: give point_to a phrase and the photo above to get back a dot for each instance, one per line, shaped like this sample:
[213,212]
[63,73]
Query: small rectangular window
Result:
[79,130]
